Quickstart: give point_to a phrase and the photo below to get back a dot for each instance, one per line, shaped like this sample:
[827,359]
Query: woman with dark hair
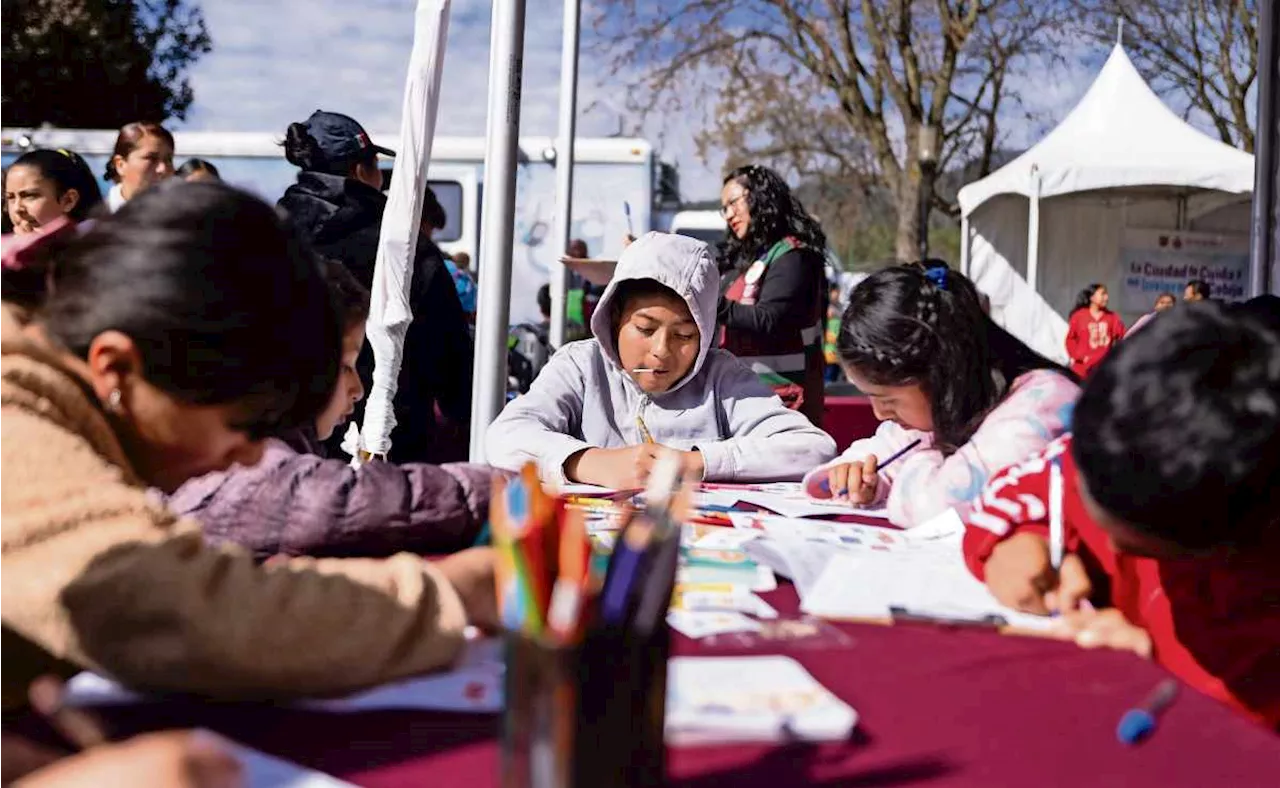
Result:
[43,184]
[1092,330]
[198,170]
[143,157]
[338,204]
[773,293]
[959,394]
[175,336]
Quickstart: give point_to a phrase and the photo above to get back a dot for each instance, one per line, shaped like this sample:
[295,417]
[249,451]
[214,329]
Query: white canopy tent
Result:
[1073,208]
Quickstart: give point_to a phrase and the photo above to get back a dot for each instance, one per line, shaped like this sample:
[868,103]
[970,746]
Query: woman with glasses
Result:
[773,294]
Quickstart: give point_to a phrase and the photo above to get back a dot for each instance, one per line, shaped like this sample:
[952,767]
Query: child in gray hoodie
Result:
[602,407]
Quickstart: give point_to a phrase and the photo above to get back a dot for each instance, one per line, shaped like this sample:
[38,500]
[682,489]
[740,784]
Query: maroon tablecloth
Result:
[936,707]
[847,419]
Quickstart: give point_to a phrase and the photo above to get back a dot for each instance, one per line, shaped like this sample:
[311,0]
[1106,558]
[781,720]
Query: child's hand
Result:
[471,573]
[1107,629]
[621,469]
[855,482]
[182,759]
[1020,575]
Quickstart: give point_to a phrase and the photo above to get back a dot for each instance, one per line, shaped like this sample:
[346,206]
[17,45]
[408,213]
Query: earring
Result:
[113,401]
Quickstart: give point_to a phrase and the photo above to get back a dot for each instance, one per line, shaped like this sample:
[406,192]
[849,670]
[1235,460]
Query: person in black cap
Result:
[337,202]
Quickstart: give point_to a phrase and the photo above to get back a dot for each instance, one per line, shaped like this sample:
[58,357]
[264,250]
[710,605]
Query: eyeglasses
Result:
[727,208]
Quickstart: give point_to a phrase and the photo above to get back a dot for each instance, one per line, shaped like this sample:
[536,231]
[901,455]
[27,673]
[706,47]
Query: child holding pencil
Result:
[959,397]
[1169,509]
[601,407]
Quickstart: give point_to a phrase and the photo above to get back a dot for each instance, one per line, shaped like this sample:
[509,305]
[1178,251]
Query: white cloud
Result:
[267,71]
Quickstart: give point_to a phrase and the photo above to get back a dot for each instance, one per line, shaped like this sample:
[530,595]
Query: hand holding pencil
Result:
[1021,575]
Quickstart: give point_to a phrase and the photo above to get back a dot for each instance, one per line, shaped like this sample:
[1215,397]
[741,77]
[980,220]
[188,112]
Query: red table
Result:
[936,707]
[847,419]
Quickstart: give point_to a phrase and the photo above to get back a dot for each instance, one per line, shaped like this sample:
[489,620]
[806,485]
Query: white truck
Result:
[610,175]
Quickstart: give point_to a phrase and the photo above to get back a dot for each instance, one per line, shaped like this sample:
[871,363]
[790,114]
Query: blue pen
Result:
[626,208]
[1137,724]
[825,484]
[623,570]
[716,507]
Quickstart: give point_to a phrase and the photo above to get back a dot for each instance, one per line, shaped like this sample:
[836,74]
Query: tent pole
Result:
[564,164]
[1262,243]
[497,225]
[1033,230]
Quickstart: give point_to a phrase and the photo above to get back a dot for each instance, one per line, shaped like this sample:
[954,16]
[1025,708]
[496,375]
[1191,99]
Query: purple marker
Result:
[825,484]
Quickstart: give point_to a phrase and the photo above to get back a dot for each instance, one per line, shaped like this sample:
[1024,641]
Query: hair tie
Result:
[938,275]
[20,251]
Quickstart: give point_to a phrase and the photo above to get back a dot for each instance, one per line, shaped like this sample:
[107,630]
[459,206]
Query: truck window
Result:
[449,193]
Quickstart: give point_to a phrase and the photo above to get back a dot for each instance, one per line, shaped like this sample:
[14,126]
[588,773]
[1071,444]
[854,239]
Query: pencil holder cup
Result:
[585,716]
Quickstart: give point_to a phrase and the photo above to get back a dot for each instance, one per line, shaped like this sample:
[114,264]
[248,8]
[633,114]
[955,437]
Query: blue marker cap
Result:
[1135,725]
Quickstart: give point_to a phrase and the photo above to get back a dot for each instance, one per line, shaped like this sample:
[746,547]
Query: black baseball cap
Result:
[340,138]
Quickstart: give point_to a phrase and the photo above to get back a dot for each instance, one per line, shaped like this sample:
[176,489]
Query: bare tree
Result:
[1204,52]
[835,89]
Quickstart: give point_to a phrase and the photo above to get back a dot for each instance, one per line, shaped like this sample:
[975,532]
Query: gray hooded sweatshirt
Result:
[583,399]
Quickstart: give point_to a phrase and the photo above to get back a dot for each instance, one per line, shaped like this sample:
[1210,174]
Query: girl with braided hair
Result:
[968,397]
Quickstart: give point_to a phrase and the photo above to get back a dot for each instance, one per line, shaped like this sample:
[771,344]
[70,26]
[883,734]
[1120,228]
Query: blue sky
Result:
[268,69]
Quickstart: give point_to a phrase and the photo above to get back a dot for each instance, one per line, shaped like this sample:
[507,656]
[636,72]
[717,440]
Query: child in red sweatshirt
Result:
[1171,509]
[1092,330]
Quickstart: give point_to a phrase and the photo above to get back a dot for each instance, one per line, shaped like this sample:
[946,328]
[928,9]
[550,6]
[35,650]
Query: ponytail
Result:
[302,150]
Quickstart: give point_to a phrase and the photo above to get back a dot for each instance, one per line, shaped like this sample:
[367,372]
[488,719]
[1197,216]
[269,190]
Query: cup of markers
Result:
[586,641]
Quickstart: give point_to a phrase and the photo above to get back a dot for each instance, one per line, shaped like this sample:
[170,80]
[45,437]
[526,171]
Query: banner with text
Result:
[1163,261]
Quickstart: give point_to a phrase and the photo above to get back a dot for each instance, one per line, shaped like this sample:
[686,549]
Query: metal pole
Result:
[497,223]
[1262,246]
[927,169]
[564,164]
[1033,230]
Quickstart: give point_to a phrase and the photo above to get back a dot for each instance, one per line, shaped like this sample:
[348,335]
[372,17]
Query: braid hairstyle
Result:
[776,213]
[923,324]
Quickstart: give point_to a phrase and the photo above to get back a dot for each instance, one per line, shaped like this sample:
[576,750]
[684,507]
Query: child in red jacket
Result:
[1171,509]
[1092,330]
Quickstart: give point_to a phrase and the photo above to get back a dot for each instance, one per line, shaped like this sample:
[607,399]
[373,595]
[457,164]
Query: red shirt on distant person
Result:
[1092,330]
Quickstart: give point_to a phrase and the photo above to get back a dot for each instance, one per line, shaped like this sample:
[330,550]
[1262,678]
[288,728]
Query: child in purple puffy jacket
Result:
[297,502]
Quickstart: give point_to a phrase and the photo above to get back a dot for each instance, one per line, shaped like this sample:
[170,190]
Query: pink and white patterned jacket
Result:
[924,483]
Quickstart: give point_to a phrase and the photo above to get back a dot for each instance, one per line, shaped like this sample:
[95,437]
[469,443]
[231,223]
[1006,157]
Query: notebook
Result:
[930,581]
[475,684]
[718,700]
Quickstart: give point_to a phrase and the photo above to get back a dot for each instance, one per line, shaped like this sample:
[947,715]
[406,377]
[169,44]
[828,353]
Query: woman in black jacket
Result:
[773,291]
[338,204]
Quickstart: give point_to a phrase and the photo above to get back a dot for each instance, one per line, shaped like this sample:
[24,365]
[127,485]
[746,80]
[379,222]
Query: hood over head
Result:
[681,264]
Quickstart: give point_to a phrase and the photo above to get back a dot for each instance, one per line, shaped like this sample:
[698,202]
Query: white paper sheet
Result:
[701,624]
[946,527]
[789,499]
[750,699]
[261,770]
[796,528]
[931,581]
[475,685]
[802,562]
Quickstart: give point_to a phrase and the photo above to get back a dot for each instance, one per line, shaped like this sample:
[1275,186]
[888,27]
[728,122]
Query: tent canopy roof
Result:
[1120,134]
